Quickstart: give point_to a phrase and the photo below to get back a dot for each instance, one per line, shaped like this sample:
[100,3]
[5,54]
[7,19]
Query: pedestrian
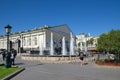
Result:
[81,56]
[79,50]
[13,56]
[14,53]
[3,55]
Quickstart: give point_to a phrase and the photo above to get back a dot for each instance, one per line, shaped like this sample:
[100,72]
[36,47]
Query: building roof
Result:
[57,28]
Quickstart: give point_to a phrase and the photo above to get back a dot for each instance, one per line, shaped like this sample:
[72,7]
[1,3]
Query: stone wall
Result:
[51,59]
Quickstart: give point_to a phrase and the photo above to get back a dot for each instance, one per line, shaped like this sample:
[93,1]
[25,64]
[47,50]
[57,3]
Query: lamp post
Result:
[8,61]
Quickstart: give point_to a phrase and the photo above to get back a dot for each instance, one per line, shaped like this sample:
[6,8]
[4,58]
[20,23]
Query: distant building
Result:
[81,42]
[32,39]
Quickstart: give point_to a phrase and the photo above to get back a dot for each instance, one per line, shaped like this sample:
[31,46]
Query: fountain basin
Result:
[52,59]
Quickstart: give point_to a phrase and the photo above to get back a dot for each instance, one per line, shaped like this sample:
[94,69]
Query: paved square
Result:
[38,71]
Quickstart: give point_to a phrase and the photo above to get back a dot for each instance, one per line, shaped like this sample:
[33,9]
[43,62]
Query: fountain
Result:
[85,47]
[40,49]
[52,58]
[51,45]
[71,44]
[63,46]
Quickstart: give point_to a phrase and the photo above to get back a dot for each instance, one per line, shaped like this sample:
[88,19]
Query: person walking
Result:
[3,55]
[14,53]
[13,56]
[81,56]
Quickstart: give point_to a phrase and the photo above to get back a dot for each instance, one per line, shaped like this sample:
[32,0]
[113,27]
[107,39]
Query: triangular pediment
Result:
[61,28]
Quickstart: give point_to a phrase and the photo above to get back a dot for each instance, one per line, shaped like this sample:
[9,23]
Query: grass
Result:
[7,71]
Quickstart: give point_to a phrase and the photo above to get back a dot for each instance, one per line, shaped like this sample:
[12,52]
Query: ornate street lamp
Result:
[8,60]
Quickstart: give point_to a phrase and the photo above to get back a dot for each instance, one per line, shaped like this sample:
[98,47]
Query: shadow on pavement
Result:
[19,64]
[85,63]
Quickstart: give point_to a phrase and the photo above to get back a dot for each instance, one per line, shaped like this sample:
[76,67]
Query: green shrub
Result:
[100,60]
[109,60]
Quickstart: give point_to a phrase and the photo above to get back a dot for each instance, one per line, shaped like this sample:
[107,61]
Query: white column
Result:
[38,40]
[21,41]
[44,40]
[31,42]
[26,39]
[81,46]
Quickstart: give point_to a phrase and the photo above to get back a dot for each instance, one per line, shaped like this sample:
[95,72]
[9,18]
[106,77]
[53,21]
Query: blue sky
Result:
[82,16]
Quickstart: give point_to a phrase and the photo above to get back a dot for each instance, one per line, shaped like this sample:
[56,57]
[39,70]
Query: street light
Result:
[8,60]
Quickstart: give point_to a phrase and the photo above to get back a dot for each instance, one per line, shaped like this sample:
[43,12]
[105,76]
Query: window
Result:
[24,41]
[35,39]
[29,40]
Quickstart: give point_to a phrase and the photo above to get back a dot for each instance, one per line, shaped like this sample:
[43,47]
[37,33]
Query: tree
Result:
[109,41]
[83,43]
[78,43]
[90,41]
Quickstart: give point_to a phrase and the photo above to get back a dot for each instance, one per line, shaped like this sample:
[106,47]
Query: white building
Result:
[32,39]
[81,42]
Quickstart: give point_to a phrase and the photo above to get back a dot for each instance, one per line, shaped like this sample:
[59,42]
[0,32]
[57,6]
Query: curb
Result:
[13,75]
[104,66]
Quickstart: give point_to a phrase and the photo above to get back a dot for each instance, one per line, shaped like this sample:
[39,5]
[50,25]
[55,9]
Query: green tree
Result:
[90,41]
[109,41]
[82,44]
[79,44]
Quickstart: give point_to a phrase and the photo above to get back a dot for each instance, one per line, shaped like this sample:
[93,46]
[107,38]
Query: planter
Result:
[108,63]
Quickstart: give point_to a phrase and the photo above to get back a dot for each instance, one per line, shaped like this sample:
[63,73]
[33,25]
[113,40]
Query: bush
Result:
[109,60]
[100,60]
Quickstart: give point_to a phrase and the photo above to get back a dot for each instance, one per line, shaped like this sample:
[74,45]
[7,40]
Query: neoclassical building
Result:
[81,42]
[31,40]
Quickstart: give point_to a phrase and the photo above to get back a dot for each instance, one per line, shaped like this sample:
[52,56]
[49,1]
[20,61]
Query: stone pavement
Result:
[42,71]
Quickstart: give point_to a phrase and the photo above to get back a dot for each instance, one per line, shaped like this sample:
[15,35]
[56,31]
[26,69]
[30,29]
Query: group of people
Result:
[12,54]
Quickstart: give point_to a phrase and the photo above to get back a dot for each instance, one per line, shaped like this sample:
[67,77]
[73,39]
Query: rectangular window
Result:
[29,41]
[35,39]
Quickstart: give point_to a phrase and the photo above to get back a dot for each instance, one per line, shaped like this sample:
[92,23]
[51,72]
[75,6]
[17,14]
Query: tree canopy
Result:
[109,41]
[90,41]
